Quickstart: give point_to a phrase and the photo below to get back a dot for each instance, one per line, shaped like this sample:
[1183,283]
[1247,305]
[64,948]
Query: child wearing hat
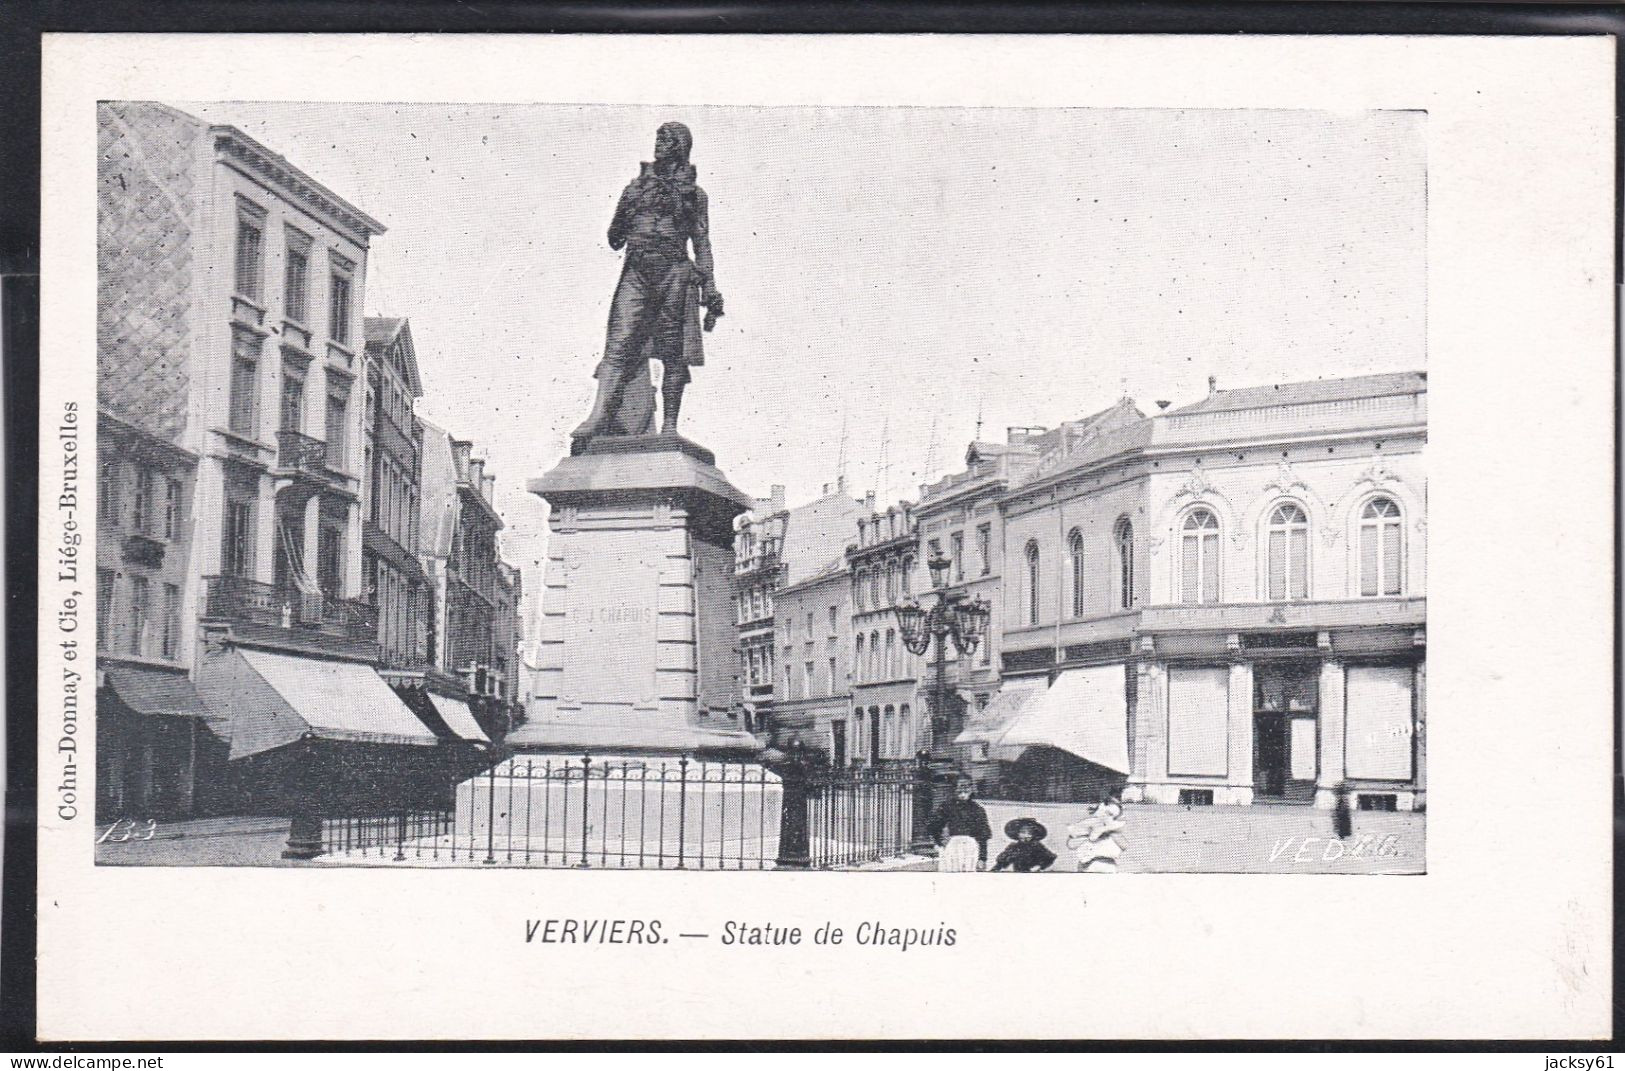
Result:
[1026,852]
[960,828]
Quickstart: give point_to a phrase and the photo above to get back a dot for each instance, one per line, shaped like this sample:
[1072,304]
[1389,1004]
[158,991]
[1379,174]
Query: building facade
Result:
[1224,603]
[392,576]
[813,702]
[886,710]
[776,546]
[473,630]
[237,646]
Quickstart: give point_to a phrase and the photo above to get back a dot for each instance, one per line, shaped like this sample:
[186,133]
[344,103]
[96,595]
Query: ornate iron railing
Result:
[236,598]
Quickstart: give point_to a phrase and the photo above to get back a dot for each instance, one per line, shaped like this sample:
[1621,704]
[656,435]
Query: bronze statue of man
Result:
[655,314]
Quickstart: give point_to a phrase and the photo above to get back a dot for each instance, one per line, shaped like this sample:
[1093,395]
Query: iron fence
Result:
[618,813]
[859,815]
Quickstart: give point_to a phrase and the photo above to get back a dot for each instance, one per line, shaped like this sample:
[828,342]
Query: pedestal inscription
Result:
[610,631]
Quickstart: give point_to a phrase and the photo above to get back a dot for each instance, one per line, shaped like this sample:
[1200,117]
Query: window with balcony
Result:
[1288,553]
[292,416]
[296,277]
[237,546]
[1199,557]
[1382,548]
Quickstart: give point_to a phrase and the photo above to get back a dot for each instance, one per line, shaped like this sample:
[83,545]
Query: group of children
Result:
[962,833]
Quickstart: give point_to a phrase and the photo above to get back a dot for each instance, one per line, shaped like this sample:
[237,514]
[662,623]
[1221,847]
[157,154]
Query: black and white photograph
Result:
[873,537]
[1059,472]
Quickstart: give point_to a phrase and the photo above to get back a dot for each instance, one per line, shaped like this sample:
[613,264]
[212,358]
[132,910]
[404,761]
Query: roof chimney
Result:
[840,483]
[778,498]
[460,449]
[869,501]
[488,488]
[1213,384]
[826,489]
[476,471]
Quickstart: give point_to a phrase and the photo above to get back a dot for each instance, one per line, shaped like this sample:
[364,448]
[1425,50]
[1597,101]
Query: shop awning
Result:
[987,725]
[459,718]
[1085,712]
[271,700]
[158,693]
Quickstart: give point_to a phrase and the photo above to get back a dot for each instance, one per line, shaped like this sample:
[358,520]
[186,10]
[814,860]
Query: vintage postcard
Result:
[594,514]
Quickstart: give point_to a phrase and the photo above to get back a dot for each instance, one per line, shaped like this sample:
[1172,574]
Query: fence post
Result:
[793,841]
[920,842]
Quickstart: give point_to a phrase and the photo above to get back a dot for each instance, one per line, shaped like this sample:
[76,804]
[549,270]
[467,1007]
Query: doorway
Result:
[1286,731]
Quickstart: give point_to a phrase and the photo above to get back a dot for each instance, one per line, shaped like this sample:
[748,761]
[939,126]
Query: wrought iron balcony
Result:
[235,598]
[300,452]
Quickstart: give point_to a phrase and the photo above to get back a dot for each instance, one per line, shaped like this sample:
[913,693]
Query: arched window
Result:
[1074,557]
[874,589]
[905,731]
[874,655]
[888,733]
[1125,563]
[1288,550]
[858,665]
[1199,557]
[891,653]
[857,590]
[891,583]
[1033,589]
[1382,548]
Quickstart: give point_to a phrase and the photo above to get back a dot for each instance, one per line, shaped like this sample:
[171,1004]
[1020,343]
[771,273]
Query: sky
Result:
[894,277]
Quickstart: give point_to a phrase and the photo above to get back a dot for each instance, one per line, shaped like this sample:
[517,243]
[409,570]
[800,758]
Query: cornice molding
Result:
[233,145]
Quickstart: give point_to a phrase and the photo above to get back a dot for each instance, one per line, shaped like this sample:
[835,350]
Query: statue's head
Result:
[672,143]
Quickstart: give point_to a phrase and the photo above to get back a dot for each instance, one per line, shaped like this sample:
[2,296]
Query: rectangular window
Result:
[807,680]
[329,556]
[956,545]
[834,680]
[172,509]
[107,493]
[142,502]
[832,620]
[104,607]
[295,277]
[338,307]
[250,251]
[172,620]
[140,609]
[338,408]
[984,547]
[245,352]
[237,555]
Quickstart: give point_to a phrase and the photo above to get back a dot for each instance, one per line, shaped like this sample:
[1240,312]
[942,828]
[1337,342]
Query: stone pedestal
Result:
[639,650]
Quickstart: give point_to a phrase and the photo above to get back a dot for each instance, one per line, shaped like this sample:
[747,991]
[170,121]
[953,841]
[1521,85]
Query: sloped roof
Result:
[380,332]
[1319,390]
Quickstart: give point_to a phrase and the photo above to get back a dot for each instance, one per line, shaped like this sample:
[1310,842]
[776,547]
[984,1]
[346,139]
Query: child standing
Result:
[960,828]
[1096,839]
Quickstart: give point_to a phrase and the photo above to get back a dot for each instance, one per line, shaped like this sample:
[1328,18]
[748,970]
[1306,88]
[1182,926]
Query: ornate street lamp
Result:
[952,618]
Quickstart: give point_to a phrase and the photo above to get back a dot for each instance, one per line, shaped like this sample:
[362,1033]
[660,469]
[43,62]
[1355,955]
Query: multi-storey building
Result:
[813,703]
[473,629]
[237,641]
[1224,603]
[774,547]
[887,714]
[392,576]
[961,517]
